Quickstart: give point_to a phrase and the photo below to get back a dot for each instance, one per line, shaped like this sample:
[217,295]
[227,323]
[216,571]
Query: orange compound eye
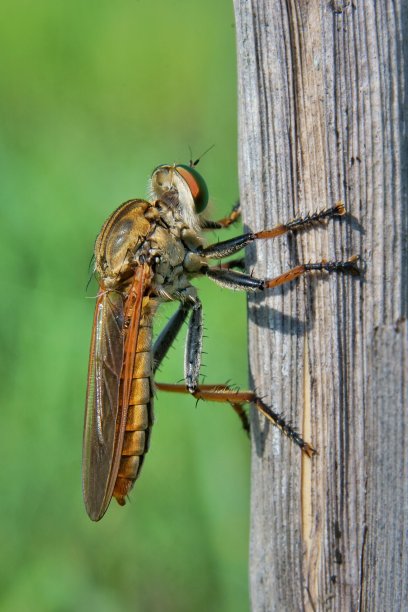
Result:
[196,184]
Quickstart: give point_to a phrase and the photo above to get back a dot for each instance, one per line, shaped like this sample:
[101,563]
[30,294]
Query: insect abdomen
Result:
[140,413]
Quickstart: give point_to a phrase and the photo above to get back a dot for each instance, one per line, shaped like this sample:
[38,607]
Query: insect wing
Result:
[111,363]
[102,401]
[132,311]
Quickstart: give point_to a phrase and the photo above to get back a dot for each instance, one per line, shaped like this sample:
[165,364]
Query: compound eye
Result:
[196,184]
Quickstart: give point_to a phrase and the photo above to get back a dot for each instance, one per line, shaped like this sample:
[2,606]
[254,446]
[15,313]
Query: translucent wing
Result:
[105,415]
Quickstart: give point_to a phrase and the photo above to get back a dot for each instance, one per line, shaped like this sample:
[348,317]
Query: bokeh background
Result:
[94,95]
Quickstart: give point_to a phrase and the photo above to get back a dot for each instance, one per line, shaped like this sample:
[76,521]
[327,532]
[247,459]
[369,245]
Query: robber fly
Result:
[147,253]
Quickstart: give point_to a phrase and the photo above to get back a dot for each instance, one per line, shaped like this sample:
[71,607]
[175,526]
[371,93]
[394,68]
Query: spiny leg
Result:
[236,404]
[194,344]
[224,394]
[193,350]
[234,215]
[169,333]
[194,341]
[238,281]
[229,247]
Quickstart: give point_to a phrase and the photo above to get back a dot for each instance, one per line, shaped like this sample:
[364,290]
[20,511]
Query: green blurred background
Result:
[94,95]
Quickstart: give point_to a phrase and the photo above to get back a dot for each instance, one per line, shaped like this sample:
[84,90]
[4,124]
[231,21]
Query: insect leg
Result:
[169,333]
[224,394]
[225,221]
[194,343]
[238,281]
[229,247]
[193,351]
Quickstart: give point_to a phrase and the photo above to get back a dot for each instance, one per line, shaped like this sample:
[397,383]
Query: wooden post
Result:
[323,117]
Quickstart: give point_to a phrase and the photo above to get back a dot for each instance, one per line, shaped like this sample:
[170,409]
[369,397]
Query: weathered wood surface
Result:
[323,117]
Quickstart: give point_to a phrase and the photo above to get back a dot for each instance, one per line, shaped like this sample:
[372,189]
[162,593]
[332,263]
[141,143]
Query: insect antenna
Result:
[194,163]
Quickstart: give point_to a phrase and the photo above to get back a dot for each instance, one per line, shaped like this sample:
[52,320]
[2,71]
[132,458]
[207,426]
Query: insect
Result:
[147,252]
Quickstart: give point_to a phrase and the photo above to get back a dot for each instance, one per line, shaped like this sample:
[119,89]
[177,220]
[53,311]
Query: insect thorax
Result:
[143,232]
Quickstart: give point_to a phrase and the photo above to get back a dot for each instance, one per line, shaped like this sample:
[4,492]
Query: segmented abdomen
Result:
[140,410]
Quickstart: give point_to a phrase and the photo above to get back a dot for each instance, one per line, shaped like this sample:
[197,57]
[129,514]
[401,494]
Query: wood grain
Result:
[323,117]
